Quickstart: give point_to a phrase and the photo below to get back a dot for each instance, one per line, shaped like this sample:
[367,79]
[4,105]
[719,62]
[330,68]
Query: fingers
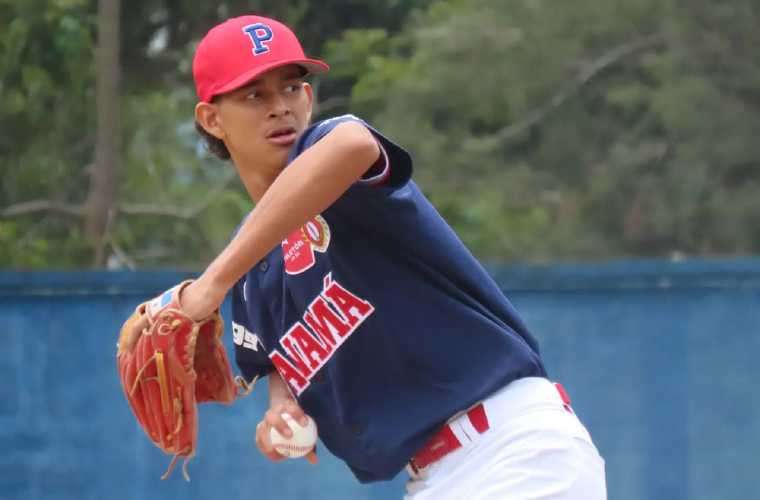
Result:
[295,411]
[311,457]
[273,416]
[273,420]
[264,443]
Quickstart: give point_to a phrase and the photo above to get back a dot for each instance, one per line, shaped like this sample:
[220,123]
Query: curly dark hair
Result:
[214,145]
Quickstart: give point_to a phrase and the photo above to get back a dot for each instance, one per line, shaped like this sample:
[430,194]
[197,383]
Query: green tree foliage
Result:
[46,118]
[574,130]
[177,205]
[541,129]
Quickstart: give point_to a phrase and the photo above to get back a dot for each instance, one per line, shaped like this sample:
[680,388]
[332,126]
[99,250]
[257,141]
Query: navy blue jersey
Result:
[378,317]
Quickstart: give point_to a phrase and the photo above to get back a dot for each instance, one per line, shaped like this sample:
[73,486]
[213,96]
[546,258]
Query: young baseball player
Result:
[361,305]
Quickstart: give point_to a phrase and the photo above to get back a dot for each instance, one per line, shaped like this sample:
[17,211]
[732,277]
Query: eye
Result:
[253,94]
[295,87]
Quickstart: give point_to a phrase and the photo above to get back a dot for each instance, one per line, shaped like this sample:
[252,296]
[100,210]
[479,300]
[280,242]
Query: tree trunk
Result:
[103,190]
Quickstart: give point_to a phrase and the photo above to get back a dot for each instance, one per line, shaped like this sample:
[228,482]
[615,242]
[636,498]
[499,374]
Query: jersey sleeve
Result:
[393,168]
[250,355]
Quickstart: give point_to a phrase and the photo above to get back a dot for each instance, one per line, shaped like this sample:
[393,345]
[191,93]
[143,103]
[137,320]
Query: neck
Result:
[256,176]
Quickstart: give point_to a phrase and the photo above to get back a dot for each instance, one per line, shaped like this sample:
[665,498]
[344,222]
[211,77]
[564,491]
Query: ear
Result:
[207,114]
[310,96]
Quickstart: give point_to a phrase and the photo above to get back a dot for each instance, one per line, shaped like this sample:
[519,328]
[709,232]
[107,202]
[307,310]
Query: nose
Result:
[280,107]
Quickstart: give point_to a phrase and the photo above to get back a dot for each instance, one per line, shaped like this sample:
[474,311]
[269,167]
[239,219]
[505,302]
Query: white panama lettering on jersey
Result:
[327,323]
[244,337]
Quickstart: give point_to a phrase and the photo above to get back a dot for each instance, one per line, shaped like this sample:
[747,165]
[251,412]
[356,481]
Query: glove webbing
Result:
[244,388]
[163,385]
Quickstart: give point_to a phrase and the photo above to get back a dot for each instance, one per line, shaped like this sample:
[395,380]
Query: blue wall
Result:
[660,359]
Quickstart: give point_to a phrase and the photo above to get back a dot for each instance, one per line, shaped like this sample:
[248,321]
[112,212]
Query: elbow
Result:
[359,147]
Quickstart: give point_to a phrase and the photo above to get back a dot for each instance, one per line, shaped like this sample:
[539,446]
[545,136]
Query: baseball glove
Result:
[173,365]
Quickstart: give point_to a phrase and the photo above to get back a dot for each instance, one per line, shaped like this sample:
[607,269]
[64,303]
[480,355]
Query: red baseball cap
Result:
[238,50]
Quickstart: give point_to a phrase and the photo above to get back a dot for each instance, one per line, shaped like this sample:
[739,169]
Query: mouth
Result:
[282,136]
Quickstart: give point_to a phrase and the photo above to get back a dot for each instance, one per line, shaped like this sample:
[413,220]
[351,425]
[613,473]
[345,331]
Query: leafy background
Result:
[542,130]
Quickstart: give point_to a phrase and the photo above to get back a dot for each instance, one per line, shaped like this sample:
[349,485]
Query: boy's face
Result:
[261,120]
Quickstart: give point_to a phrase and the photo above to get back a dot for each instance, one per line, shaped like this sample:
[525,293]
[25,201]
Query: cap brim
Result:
[312,66]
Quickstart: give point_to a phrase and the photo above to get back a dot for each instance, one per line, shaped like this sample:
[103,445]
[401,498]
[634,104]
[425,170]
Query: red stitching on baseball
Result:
[293,447]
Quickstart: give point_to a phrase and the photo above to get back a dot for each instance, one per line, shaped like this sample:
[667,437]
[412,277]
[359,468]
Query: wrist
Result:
[278,390]
[201,298]
[213,284]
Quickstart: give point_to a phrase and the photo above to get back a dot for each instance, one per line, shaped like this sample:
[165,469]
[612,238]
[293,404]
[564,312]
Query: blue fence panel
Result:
[659,357]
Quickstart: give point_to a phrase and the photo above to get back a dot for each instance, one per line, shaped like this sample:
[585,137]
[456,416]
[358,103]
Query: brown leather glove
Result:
[174,364]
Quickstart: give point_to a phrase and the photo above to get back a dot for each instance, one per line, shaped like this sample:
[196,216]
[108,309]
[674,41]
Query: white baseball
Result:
[302,442]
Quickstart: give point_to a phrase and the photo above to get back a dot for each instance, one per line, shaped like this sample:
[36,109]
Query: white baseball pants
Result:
[535,449]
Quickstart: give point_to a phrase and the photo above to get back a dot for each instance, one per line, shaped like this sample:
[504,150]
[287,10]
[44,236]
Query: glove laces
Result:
[244,388]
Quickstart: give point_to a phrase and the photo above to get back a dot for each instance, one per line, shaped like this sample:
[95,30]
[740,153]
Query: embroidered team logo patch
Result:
[261,36]
[298,248]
